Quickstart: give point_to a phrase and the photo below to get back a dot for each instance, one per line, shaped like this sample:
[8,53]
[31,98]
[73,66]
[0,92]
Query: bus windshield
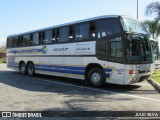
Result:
[138,49]
[130,25]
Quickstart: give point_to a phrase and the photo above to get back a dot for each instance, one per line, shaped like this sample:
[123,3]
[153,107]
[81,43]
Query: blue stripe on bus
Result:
[60,67]
[108,75]
[61,71]
[68,69]
[107,69]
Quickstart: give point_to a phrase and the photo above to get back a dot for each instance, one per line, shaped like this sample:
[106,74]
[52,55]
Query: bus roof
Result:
[66,24]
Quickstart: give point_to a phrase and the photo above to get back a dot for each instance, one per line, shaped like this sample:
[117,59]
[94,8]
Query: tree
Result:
[2,49]
[153,9]
[153,28]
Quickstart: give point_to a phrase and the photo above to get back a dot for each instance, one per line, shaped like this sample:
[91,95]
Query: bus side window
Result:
[101,28]
[35,39]
[82,32]
[57,35]
[25,40]
[71,33]
[19,41]
[64,34]
[9,42]
[48,37]
[92,30]
[116,48]
[31,39]
[54,36]
[15,42]
[107,27]
[113,26]
[41,37]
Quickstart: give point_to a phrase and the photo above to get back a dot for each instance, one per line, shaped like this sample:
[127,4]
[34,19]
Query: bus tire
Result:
[30,69]
[96,77]
[22,68]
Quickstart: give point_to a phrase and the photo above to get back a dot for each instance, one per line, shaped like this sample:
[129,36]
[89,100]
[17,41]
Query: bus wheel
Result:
[30,69]
[96,77]
[22,68]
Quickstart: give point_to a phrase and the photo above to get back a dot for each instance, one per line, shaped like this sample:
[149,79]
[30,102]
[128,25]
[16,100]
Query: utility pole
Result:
[137,9]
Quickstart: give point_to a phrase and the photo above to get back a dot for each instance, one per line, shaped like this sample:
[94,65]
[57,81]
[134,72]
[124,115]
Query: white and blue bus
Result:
[106,49]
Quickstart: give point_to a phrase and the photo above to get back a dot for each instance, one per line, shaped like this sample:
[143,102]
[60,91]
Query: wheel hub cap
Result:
[95,77]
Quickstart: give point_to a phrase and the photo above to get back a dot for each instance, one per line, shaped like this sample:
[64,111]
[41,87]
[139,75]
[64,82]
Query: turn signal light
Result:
[133,71]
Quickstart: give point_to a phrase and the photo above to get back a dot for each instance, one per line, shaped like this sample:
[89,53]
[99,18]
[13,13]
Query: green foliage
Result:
[3,60]
[153,9]
[2,49]
[153,27]
[156,76]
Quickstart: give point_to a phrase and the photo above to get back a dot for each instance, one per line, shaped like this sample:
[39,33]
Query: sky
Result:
[17,16]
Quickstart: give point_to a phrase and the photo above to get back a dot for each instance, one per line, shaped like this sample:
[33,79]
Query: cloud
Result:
[2,41]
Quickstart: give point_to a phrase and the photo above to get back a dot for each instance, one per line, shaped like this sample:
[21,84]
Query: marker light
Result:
[133,71]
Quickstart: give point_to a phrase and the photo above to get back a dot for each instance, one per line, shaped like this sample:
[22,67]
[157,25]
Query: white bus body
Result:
[76,60]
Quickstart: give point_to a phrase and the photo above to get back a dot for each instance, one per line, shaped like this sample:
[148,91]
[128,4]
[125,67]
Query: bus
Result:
[106,49]
[156,53]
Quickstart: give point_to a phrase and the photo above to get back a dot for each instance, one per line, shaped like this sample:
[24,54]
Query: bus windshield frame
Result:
[133,26]
[138,46]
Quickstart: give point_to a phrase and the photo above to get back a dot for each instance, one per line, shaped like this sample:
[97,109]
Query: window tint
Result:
[9,42]
[116,47]
[82,31]
[64,34]
[71,33]
[19,41]
[15,42]
[92,30]
[102,49]
[57,35]
[41,38]
[34,40]
[54,36]
[107,27]
[25,40]
[48,37]
[102,28]
[113,26]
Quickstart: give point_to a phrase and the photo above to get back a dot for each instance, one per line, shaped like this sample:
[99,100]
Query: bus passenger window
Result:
[113,26]
[108,27]
[15,42]
[71,34]
[9,42]
[48,37]
[102,28]
[25,40]
[53,36]
[92,30]
[57,35]
[31,39]
[82,32]
[35,39]
[41,37]
[20,41]
[64,34]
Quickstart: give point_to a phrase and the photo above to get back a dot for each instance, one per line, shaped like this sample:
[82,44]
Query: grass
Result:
[2,60]
[156,76]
